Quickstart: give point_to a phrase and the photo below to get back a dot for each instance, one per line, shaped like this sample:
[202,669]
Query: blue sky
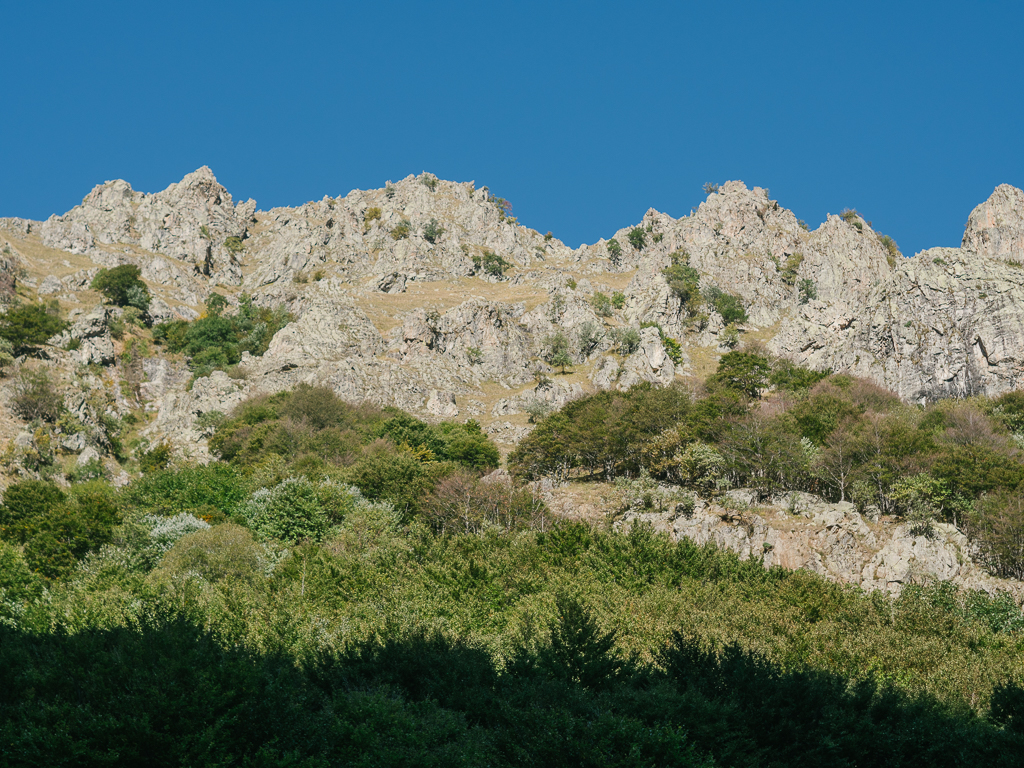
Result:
[583,115]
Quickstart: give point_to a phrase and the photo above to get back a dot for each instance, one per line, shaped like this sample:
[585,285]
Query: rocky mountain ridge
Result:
[428,295]
[945,322]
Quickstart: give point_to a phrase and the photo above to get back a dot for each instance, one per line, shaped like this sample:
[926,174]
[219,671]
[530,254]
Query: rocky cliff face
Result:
[428,295]
[798,530]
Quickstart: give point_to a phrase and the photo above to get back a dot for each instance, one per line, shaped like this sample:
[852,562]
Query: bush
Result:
[590,338]
[57,529]
[432,231]
[25,507]
[808,290]
[223,553]
[372,214]
[792,266]
[710,188]
[164,532]
[7,355]
[17,582]
[850,216]
[684,282]
[401,230]
[156,458]
[614,251]
[462,503]
[205,491]
[602,304]
[234,245]
[123,287]
[27,326]
[580,652]
[618,299]
[217,341]
[637,238]
[556,350]
[893,250]
[36,397]
[745,372]
[491,263]
[626,340]
[429,181]
[295,510]
[728,305]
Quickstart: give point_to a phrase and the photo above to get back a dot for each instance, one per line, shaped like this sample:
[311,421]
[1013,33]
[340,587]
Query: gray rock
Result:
[88,454]
[832,540]
[442,404]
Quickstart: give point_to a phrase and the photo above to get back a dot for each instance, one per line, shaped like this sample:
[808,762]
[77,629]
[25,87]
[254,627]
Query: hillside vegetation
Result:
[772,427]
[347,585]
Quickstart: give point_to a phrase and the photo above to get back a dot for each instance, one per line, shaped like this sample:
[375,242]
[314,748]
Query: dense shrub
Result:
[295,510]
[602,304]
[432,231]
[35,396]
[491,263]
[217,341]
[728,305]
[28,326]
[463,503]
[614,251]
[206,491]
[226,552]
[123,287]
[57,529]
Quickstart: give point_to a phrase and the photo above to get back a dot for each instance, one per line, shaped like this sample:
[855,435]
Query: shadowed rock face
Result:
[947,322]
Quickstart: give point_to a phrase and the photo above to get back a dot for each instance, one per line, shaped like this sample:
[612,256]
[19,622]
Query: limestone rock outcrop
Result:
[995,228]
[947,322]
[191,220]
[798,530]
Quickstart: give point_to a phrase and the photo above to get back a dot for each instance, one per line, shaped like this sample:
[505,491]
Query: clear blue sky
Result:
[582,114]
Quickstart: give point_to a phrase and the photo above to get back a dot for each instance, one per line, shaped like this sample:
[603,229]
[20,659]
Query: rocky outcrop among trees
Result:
[429,295]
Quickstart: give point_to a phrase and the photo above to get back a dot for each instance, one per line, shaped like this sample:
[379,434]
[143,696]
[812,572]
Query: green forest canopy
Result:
[345,584]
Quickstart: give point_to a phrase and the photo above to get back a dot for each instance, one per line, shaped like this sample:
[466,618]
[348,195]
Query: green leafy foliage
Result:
[744,372]
[28,326]
[637,238]
[557,350]
[568,647]
[56,529]
[728,305]
[673,348]
[614,251]
[401,230]
[602,304]
[217,341]
[432,231]
[491,264]
[626,340]
[35,396]
[853,218]
[311,624]
[387,454]
[684,281]
[792,266]
[808,291]
[123,287]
